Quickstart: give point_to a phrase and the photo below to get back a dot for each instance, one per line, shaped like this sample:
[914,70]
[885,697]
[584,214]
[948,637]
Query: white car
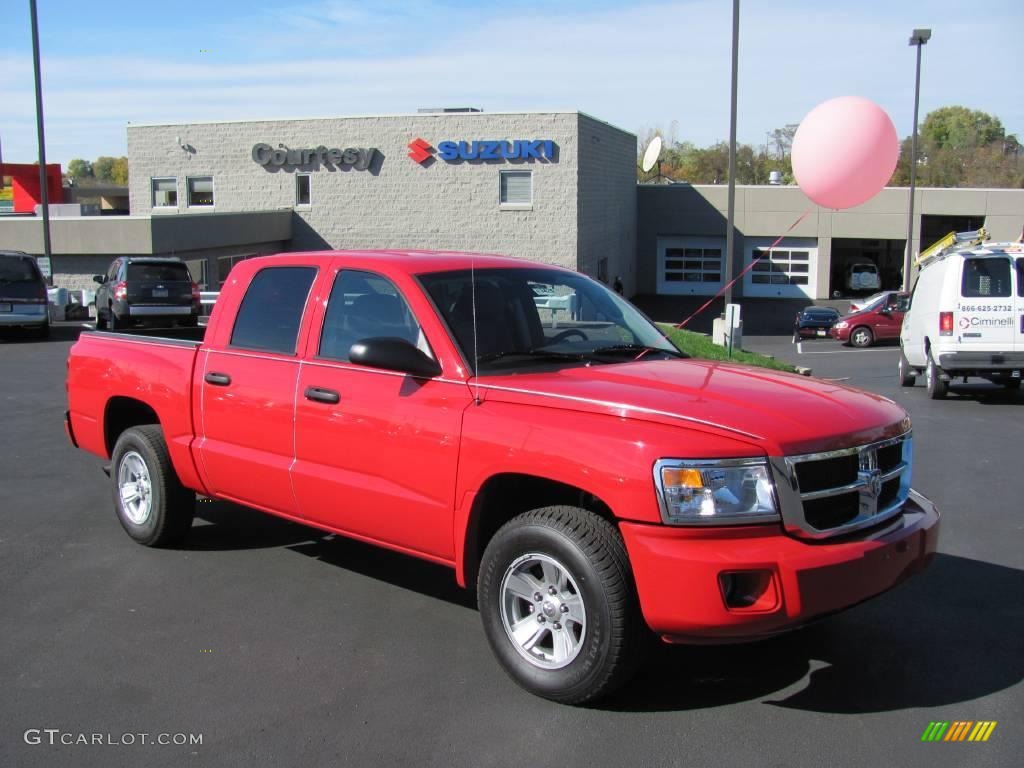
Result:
[966,318]
[863,276]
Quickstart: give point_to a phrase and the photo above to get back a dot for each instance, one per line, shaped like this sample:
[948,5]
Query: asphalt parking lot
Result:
[283,646]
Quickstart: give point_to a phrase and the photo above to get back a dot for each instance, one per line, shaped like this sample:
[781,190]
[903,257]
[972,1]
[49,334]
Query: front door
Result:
[376,450]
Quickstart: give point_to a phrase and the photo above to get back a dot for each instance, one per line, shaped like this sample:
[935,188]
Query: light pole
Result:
[731,204]
[918,37]
[44,197]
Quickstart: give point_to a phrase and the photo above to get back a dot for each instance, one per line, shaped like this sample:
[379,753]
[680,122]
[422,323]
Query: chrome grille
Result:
[832,493]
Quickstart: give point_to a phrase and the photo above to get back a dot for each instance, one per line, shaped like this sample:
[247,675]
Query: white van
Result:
[966,317]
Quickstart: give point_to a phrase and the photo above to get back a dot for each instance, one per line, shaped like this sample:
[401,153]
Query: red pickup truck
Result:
[525,426]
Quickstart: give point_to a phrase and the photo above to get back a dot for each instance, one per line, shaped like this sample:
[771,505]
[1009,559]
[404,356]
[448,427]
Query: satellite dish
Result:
[651,154]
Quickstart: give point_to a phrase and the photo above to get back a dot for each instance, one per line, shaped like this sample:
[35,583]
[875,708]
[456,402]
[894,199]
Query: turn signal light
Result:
[945,323]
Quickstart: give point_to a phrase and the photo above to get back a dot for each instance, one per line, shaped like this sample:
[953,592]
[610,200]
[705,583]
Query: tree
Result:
[79,169]
[103,168]
[960,128]
[119,171]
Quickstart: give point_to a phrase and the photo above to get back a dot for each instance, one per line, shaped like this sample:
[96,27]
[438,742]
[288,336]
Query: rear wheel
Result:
[937,386]
[861,336]
[101,321]
[907,374]
[1012,383]
[558,604]
[153,506]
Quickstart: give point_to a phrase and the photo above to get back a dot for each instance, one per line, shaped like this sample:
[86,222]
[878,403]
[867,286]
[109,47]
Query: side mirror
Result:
[101,279]
[885,311]
[393,354]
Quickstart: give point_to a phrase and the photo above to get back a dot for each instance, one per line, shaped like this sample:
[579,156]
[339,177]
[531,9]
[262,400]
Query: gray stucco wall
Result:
[607,201]
[397,203]
[764,211]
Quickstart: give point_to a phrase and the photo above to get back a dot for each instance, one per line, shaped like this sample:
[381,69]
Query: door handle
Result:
[321,395]
[217,379]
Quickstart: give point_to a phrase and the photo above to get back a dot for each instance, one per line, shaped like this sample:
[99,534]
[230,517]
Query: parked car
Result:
[589,482]
[814,322]
[146,290]
[878,321]
[863,276]
[23,297]
[966,318]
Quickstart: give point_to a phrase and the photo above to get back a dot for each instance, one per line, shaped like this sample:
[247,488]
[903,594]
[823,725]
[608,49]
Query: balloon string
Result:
[732,282]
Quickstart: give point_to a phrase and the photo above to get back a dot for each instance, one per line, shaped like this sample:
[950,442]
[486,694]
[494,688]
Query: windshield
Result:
[532,317]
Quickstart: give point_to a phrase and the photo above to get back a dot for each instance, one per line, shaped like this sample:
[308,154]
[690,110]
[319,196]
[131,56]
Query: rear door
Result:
[246,390]
[985,318]
[158,283]
[1018,344]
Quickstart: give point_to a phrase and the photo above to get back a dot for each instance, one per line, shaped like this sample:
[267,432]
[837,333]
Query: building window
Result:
[224,265]
[602,270]
[302,183]
[516,187]
[165,192]
[693,265]
[780,267]
[200,191]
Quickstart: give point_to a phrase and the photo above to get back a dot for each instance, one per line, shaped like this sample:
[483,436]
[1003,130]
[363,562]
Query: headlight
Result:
[841,324]
[722,492]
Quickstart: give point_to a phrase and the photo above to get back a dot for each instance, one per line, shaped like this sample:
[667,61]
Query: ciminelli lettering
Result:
[360,158]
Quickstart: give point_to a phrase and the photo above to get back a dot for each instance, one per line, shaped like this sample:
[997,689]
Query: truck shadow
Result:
[224,526]
[950,635]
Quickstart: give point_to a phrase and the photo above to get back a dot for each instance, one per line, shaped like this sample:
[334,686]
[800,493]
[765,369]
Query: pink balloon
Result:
[844,152]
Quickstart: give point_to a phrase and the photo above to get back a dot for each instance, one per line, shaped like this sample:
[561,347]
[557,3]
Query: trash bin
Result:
[57,299]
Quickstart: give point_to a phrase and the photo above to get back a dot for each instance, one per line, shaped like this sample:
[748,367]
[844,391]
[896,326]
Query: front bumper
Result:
[678,571]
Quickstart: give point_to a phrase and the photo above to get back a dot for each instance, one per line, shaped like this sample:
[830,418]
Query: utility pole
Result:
[731,214]
[43,191]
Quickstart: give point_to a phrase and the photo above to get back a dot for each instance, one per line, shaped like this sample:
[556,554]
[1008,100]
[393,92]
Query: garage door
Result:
[690,265]
[789,271]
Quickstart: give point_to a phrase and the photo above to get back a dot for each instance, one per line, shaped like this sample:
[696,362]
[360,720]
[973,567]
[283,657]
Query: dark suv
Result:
[23,297]
[154,291]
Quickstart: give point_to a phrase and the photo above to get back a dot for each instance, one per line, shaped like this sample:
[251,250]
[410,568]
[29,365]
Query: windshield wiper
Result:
[535,353]
[639,350]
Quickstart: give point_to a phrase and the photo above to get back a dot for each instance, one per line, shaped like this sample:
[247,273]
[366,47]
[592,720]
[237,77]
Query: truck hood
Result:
[781,413]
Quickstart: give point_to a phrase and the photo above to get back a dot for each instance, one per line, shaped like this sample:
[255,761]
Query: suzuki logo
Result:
[420,150]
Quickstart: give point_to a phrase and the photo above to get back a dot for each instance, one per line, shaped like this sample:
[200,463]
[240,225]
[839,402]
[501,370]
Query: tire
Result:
[861,336]
[43,332]
[1012,384]
[937,388]
[160,514]
[101,321]
[114,323]
[907,375]
[576,563]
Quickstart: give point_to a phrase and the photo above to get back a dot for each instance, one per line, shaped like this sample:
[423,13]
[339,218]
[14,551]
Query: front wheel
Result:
[153,506]
[558,604]
[861,336]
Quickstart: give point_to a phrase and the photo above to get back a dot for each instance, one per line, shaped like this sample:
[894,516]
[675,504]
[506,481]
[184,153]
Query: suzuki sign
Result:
[459,151]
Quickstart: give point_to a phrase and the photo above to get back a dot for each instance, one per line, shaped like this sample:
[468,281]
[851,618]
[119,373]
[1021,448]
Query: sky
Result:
[640,65]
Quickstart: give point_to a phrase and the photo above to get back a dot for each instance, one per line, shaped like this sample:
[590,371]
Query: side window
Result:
[272,309]
[112,272]
[363,306]
[985,277]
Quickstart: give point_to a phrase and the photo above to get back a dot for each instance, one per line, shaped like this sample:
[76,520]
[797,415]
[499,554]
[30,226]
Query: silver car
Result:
[23,297]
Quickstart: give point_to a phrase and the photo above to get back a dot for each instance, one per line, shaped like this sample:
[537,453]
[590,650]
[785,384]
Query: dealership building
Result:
[553,187]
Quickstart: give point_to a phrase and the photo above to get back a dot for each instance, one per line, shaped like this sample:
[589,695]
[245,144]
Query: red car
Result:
[879,320]
[526,427]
